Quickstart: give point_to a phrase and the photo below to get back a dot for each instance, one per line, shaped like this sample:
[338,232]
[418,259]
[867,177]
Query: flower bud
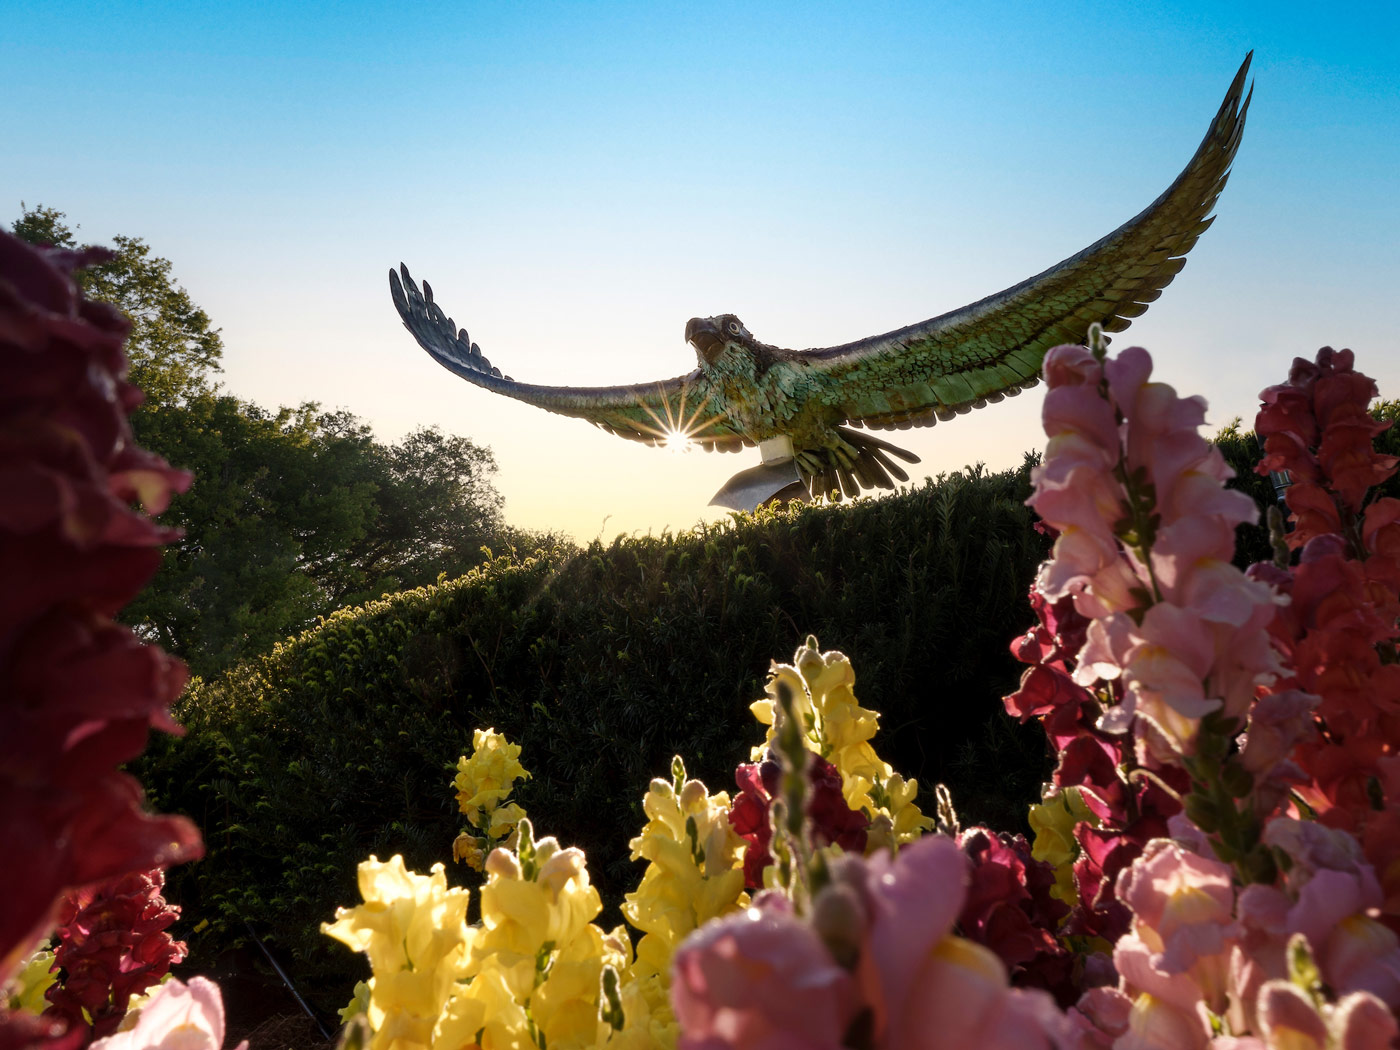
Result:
[1237,780]
[839,919]
[1202,812]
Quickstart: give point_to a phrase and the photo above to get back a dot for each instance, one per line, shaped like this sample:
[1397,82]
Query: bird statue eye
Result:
[733,327]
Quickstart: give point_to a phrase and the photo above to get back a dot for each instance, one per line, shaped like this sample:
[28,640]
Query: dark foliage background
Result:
[602,663]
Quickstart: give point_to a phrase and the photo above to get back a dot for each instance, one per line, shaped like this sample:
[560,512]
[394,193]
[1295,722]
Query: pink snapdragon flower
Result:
[1146,534]
[1175,960]
[1289,1020]
[178,1016]
[766,978]
[1182,904]
[761,979]
[1329,898]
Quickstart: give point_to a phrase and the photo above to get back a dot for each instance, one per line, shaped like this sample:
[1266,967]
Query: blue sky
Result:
[576,180]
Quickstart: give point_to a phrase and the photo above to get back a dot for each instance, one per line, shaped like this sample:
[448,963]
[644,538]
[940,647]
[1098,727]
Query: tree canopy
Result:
[293,512]
[173,348]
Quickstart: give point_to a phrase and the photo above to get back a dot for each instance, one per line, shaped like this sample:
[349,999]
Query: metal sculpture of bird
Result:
[809,410]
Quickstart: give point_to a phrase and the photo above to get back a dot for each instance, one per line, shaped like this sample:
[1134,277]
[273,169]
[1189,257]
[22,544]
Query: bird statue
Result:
[809,411]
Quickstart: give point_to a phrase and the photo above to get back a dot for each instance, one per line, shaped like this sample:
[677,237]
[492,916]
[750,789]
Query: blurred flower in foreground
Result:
[78,692]
[177,1016]
[877,961]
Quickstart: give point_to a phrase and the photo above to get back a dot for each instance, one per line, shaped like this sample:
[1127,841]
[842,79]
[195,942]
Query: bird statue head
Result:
[710,336]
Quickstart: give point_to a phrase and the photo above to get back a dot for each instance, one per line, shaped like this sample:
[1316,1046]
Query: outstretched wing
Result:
[649,412]
[994,348]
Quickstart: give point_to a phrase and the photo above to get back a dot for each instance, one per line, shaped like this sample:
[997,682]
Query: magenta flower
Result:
[1009,909]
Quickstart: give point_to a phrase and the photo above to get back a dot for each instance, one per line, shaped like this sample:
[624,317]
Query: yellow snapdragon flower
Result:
[27,987]
[1053,822]
[483,1013]
[536,964]
[565,1006]
[695,871]
[642,997]
[413,928]
[650,1022]
[836,727]
[520,914]
[484,780]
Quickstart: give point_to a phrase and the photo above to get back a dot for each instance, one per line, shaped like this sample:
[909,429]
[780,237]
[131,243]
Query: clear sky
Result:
[578,179]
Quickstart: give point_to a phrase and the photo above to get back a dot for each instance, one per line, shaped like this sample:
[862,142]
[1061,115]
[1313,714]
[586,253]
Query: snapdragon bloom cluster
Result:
[113,944]
[695,873]
[838,731]
[1338,631]
[530,973]
[1150,645]
[1146,537]
[483,783]
[1234,919]
[537,972]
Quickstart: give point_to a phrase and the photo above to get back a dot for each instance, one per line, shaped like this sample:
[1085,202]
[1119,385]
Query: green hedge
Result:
[602,663]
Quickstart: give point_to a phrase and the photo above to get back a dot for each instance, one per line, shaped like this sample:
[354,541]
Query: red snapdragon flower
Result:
[78,692]
[830,820]
[1009,909]
[1339,629]
[112,944]
[1316,426]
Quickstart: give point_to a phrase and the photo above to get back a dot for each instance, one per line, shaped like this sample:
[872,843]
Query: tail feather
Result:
[865,462]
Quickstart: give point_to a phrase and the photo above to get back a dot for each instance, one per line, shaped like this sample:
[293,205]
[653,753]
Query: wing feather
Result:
[927,371]
[647,412]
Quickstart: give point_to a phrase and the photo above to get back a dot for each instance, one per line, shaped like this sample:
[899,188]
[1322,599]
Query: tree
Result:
[264,504]
[173,349]
[297,513]
[437,509]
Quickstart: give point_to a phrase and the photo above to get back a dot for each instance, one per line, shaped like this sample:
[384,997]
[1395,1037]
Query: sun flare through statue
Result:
[676,442]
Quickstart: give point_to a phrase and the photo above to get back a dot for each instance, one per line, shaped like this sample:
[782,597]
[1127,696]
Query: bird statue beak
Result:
[750,489]
[703,334]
